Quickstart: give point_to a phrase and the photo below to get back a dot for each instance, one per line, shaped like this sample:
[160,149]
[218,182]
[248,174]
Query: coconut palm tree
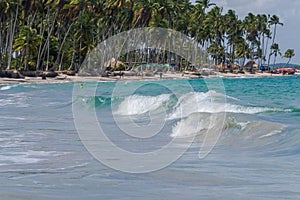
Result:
[205,4]
[63,32]
[275,51]
[251,27]
[27,42]
[234,33]
[264,32]
[4,16]
[274,20]
[214,21]
[289,54]
[13,8]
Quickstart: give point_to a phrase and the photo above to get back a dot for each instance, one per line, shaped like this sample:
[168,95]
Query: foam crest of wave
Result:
[7,87]
[197,102]
[201,123]
[211,102]
[137,104]
[248,134]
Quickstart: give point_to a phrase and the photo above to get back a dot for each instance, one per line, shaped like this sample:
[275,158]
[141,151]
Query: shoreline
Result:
[166,76]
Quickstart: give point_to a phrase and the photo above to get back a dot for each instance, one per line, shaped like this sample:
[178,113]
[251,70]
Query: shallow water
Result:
[256,155]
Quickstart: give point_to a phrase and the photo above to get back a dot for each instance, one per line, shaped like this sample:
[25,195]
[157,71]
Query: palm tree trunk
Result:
[73,56]
[1,47]
[288,62]
[13,23]
[58,60]
[274,61]
[273,41]
[49,32]
[40,48]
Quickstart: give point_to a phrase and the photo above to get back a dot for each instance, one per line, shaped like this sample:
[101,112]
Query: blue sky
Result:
[288,12]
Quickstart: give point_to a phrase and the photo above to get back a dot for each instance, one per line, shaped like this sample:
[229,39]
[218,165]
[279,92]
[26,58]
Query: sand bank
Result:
[165,76]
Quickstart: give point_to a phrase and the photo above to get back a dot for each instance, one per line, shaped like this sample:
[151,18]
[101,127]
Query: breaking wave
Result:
[136,104]
[196,113]
[177,107]
[7,87]
[213,102]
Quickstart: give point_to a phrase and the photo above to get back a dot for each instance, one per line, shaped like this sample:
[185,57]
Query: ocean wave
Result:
[270,134]
[200,123]
[96,101]
[213,102]
[7,87]
[137,104]
[19,100]
[232,132]
[177,107]
[28,157]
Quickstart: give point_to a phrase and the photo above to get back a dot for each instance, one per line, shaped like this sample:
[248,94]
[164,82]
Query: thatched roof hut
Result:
[114,64]
[226,67]
[250,64]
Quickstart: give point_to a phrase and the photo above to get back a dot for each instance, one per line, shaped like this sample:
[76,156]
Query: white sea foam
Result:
[200,123]
[136,104]
[211,102]
[19,100]
[191,126]
[272,133]
[194,102]
[28,157]
[7,87]
[13,118]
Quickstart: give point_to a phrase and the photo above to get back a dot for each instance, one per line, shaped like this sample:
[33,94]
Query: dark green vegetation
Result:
[58,34]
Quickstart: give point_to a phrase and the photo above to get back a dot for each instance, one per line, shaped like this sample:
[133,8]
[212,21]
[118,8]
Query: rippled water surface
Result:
[256,156]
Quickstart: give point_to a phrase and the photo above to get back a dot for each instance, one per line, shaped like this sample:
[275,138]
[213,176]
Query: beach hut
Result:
[114,64]
[251,66]
[230,67]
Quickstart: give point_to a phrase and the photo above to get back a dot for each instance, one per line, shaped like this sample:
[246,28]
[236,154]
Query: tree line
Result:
[59,34]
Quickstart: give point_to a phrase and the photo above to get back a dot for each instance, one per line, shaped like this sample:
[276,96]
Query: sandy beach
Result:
[165,76]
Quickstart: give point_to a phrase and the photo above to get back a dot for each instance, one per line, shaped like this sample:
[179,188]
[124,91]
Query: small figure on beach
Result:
[121,74]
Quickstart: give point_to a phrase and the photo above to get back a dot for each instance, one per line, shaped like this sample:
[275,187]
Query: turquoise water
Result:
[255,157]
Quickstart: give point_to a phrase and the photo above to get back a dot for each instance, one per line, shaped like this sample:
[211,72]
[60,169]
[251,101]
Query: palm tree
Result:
[289,54]
[251,27]
[264,32]
[275,51]
[242,51]
[4,15]
[60,33]
[198,15]
[234,31]
[27,43]
[182,18]
[205,4]
[14,12]
[214,21]
[143,12]
[274,20]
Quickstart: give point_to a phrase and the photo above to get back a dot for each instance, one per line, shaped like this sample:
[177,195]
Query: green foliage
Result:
[60,34]
[289,54]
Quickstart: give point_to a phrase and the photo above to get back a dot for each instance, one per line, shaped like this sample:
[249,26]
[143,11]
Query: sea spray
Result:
[137,104]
